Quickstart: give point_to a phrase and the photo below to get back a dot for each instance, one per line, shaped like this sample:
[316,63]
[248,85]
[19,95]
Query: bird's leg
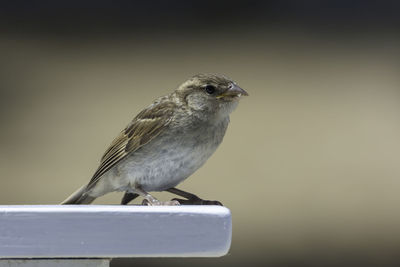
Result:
[191,198]
[149,200]
[128,197]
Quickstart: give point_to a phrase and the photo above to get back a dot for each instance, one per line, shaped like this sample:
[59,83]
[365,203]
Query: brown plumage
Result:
[149,123]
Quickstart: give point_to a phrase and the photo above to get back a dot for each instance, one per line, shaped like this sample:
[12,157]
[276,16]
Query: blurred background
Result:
[310,164]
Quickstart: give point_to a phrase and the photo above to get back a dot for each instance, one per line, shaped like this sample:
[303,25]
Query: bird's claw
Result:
[197,201]
[172,202]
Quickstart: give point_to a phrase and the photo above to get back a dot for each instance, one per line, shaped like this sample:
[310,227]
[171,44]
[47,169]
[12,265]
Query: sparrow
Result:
[166,143]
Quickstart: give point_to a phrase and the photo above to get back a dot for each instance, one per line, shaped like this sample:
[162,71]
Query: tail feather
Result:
[79,197]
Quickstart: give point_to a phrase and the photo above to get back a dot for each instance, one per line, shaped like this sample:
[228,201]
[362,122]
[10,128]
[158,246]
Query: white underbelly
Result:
[156,170]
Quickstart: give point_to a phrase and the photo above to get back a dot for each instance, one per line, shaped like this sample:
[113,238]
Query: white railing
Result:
[98,233]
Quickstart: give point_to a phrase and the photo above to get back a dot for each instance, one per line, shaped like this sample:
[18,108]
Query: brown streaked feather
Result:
[148,124]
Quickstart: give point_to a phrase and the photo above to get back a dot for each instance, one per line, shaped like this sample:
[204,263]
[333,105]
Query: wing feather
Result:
[147,125]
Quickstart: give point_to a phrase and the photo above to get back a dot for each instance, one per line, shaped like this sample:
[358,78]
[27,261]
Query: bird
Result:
[166,143]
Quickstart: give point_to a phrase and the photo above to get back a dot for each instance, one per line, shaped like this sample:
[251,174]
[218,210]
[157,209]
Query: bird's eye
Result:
[210,89]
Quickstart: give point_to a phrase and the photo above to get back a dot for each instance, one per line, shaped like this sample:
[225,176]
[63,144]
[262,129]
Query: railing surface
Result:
[109,231]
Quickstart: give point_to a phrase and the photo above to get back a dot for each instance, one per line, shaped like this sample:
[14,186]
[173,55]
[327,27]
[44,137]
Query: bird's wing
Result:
[148,124]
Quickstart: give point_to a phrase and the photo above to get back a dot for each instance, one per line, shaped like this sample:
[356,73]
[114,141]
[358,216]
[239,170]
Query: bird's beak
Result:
[233,91]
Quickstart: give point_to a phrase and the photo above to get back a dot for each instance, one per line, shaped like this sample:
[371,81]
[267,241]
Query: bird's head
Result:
[210,94]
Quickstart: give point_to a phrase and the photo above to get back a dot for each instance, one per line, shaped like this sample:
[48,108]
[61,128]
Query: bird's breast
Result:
[172,157]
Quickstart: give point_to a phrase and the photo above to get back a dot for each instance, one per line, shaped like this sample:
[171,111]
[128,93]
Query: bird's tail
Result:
[78,197]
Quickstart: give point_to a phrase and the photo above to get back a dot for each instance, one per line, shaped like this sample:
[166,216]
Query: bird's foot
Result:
[156,202]
[197,201]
